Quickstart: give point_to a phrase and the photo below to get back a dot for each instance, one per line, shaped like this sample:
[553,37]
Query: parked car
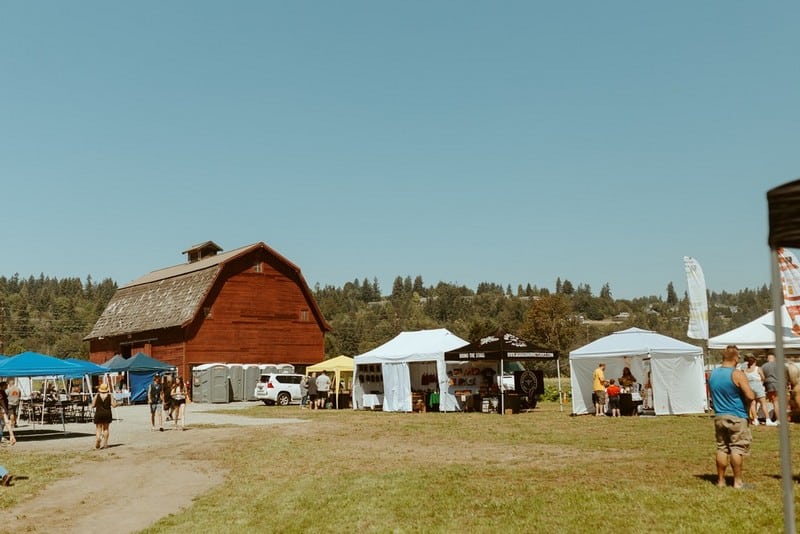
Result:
[280,389]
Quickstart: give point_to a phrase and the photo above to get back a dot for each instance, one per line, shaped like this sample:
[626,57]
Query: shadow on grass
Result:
[46,434]
[777,476]
[711,478]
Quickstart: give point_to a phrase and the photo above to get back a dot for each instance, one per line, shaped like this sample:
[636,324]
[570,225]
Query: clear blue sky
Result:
[507,142]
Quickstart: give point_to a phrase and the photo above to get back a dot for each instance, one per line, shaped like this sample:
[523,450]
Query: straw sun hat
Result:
[103,388]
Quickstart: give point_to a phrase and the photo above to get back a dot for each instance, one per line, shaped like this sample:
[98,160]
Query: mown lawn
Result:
[542,471]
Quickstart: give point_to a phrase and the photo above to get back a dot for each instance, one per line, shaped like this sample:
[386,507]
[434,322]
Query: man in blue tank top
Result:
[731,394]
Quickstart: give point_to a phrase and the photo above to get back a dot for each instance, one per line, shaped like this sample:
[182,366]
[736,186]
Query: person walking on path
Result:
[599,388]
[178,394]
[102,403]
[169,405]
[14,395]
[155,397]
[731,395]
[4,419]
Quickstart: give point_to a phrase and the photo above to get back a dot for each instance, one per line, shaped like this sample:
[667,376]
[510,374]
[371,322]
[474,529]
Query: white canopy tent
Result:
[394,357]
[676,370]
[758,334]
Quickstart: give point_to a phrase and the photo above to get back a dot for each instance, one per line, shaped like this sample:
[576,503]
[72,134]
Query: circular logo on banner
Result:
[528,383]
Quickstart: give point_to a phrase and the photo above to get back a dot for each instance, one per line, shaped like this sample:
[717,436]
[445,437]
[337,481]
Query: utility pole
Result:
[2,328]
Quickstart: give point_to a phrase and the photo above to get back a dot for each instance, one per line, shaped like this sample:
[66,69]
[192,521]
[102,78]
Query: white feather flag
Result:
[698,302]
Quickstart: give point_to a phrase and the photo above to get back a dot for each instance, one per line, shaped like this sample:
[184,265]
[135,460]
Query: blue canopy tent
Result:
[35,364]
[87,367]
[32,364]
[140,368]
[115,362]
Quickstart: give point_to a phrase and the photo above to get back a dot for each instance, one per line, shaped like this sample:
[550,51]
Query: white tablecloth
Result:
[371,400]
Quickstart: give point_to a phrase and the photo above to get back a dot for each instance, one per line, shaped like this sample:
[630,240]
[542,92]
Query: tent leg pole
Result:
[502,389]
[787,483]
[558,374]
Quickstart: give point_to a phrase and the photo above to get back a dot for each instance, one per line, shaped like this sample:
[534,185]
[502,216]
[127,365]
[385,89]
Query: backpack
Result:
[154,393]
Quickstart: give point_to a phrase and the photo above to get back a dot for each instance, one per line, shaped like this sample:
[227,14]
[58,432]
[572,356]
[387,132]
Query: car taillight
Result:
[270,385]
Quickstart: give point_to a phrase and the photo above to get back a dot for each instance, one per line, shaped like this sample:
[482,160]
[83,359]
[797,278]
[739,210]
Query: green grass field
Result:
[539,471]
[542,471]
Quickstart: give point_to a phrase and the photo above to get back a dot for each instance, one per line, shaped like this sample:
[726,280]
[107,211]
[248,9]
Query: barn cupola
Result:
[201,251]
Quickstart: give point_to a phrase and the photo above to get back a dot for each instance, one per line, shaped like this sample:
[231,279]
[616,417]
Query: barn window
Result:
[304,315]
[257,267]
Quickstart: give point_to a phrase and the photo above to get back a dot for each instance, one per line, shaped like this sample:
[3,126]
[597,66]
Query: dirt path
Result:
[112,490]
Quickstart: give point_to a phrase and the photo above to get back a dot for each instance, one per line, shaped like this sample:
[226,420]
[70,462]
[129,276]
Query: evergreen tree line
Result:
[564,318]
[50,316]
[53,316]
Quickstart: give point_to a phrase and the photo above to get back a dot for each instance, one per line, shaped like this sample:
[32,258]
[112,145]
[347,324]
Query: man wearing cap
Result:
[155,397]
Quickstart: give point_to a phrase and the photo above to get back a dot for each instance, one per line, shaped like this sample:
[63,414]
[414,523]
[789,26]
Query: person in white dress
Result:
[755,376]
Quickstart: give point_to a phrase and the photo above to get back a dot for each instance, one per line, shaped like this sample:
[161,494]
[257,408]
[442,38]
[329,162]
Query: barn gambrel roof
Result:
[172,297]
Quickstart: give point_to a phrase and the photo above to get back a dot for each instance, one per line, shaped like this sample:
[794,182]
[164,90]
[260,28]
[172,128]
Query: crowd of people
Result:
[315,391]
[170,397]
[745,395]
[606,392]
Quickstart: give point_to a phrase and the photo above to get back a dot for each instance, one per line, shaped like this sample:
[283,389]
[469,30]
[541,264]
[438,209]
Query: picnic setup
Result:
[59,391]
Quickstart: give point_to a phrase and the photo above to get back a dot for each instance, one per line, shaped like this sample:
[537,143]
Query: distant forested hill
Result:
[52,316]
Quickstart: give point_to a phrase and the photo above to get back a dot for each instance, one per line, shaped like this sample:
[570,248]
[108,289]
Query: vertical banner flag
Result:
[698,302]
[790,280]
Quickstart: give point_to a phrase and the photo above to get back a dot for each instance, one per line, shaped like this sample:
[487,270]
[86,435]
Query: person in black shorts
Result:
[155,396]
[169,405]
[312,391]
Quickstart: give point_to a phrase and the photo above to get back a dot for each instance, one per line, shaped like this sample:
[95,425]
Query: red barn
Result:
[248,305]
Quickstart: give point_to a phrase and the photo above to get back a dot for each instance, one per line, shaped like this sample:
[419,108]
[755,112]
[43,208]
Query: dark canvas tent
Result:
[502,347]
[140,369]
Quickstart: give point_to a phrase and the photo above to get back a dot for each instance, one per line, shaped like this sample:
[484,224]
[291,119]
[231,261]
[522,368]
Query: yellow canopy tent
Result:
[342,369]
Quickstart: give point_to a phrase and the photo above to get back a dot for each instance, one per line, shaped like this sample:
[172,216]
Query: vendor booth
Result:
[342,380]
[407,373]
[52,401]
[759,334]
[668,368]
[476,385]
[140,369]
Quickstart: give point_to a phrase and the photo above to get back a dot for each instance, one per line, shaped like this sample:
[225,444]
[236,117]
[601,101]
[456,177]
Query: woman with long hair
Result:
[755,376]
[102,404]
[179,402]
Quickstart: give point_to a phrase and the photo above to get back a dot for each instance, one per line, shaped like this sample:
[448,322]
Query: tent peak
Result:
[634,330]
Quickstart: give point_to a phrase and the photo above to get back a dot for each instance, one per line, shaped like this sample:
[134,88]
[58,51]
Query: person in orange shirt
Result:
[613,392]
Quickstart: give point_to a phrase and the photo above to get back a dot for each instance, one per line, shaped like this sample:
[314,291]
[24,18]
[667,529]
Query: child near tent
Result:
[5,476]
[612,392]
